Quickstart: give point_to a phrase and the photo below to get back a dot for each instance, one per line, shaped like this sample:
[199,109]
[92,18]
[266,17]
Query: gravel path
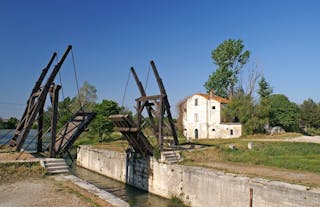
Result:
[308,139]
[39,193]
[311,139]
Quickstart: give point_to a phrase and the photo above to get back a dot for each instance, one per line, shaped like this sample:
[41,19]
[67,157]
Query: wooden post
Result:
[251,197]
[143,94]
[160,136]
[40,130]
[165,102]
[55,99]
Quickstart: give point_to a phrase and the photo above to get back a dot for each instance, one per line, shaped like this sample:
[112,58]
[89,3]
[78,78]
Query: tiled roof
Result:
[217,98]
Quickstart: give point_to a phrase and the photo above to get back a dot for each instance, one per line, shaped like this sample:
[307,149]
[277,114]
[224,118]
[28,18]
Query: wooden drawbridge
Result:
[62,140]
[160,119]
[71,131]
[130,131]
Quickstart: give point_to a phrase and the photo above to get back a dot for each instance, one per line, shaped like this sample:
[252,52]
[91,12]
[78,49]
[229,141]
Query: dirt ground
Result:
[46,192]
[308,139]
[13,156]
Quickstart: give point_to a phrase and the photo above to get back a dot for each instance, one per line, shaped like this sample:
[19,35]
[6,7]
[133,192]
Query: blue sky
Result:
[110,36]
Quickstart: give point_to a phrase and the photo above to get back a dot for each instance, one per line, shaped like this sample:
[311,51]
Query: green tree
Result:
[86,98]
[264,88]
[2,126]
[102,125]
[219,81]
[310,114]
[264,106]
[12,123]
[243,109]
[283,112]
[230,59]
[64,113]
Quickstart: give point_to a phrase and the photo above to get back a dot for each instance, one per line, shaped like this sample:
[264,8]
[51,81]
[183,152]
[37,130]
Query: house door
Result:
[196,133]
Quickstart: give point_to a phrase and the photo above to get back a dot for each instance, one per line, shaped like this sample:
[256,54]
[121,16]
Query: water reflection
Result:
[30,143]
[134,196]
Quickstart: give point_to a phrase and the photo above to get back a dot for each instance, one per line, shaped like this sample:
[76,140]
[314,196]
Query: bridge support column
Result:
[54,93]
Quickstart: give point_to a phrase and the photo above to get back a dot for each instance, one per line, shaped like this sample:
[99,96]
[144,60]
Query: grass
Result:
[113,142]
[10,172]
[287,155]
[176,202]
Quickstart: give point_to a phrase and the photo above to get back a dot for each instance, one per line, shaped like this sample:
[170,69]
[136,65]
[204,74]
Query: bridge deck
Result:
[72,130]
[130,131]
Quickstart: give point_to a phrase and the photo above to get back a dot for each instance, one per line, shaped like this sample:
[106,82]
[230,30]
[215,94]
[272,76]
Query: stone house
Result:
[201,118]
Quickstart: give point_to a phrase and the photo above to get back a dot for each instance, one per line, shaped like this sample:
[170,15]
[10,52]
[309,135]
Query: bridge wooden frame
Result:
[62,141]
[160,117]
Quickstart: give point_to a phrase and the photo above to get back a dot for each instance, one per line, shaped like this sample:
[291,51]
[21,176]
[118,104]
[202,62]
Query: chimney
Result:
[211,93]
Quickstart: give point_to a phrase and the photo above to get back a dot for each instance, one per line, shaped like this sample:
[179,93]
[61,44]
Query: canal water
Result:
[30,142]
[132,195]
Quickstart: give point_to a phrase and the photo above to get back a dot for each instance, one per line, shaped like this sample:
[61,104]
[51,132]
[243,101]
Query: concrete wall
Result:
[197,186]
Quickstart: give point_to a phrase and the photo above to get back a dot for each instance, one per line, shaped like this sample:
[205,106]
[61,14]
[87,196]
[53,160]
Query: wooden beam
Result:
[149,98]
[166,102]
[55,100]
[126,129]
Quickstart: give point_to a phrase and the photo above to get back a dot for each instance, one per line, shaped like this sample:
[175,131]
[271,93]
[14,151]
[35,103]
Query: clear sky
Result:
[110,36]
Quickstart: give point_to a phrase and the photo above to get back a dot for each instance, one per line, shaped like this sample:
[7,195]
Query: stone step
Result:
[58,168]
[55,166]
[171,157]
[54,160]
[57,171]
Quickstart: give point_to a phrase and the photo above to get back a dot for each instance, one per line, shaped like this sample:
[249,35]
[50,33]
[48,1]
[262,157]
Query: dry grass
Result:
[12,172]
[91,199]
[118,145]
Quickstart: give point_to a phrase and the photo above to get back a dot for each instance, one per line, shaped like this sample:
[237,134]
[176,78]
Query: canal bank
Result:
[195,185]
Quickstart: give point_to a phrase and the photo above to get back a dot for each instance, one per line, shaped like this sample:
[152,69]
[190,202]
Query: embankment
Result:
[197,186]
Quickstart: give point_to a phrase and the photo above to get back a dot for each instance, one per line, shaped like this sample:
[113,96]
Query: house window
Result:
[196,117]
[213,107]
[231,131]
[196,102]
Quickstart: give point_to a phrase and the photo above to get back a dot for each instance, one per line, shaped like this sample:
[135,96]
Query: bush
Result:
[176,202]
[156,152]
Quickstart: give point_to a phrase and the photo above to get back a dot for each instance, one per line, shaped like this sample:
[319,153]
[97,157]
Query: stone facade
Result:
[202,118]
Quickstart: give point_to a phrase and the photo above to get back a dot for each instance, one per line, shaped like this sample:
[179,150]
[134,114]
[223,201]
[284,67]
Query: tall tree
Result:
[219,81]
[264,88]
[264,106]
[230,59]
[86,98]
